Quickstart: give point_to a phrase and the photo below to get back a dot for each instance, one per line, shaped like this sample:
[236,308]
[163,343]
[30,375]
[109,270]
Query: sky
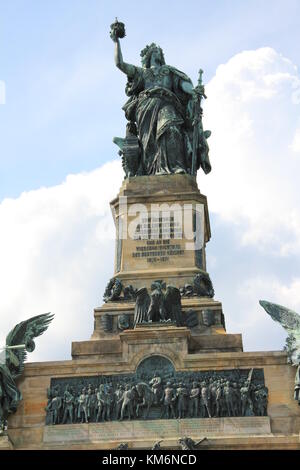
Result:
[60,106]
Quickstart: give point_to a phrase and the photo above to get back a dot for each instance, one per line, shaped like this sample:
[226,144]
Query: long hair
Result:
[147,52]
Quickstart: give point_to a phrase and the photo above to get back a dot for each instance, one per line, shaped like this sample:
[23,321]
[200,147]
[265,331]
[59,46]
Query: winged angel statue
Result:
[19,341]
[290,321]
[158,306]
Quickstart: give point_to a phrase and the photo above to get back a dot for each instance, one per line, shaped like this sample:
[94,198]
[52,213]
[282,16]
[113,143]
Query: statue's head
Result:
[149,51]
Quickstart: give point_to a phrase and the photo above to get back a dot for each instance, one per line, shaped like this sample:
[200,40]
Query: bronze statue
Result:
[165,133]
[290,321]
[18,342]
[157,395]
[158,306]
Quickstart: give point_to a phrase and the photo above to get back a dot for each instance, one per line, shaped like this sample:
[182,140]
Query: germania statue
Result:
[164,134]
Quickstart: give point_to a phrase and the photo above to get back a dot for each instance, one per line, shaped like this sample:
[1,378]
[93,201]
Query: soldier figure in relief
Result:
[127,403]
[68,406]
[205,396]
[156,384]
[168,400]
[194,400]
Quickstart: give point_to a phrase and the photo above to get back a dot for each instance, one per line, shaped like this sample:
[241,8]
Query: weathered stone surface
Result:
[171,259]
[5,443]
[205,347]
[130,430]
[96,348]
[283,411]
[66,433]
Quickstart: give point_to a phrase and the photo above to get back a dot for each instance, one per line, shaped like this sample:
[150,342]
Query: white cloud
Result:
[253,116]
[57,254]
[259,328]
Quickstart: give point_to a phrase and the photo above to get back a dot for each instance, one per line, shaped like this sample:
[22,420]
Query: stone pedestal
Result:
[155,219]
[144,433]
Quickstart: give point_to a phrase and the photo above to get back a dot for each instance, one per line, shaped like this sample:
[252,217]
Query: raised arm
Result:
[128,69]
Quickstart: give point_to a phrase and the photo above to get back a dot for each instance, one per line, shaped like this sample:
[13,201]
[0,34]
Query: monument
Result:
[160,370]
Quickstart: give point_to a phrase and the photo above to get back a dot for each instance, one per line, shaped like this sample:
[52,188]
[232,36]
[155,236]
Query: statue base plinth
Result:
[155,218]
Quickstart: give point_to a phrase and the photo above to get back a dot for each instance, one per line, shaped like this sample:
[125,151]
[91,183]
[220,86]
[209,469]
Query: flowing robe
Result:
[10,395]
[158,107]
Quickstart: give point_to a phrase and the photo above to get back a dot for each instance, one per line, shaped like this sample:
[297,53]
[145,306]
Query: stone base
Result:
[5,443]
[197,304]
[141,256]
[152,337]
[138,432]
[280,430]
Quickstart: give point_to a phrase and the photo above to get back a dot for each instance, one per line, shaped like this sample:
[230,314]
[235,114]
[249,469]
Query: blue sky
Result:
[63,106]
[48,130]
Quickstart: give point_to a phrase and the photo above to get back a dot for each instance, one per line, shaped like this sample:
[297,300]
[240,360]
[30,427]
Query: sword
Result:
[197,120]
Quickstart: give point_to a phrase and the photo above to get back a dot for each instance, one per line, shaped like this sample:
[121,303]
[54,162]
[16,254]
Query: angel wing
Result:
[142,304]
[173,305]
[289,319]
[23,334]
